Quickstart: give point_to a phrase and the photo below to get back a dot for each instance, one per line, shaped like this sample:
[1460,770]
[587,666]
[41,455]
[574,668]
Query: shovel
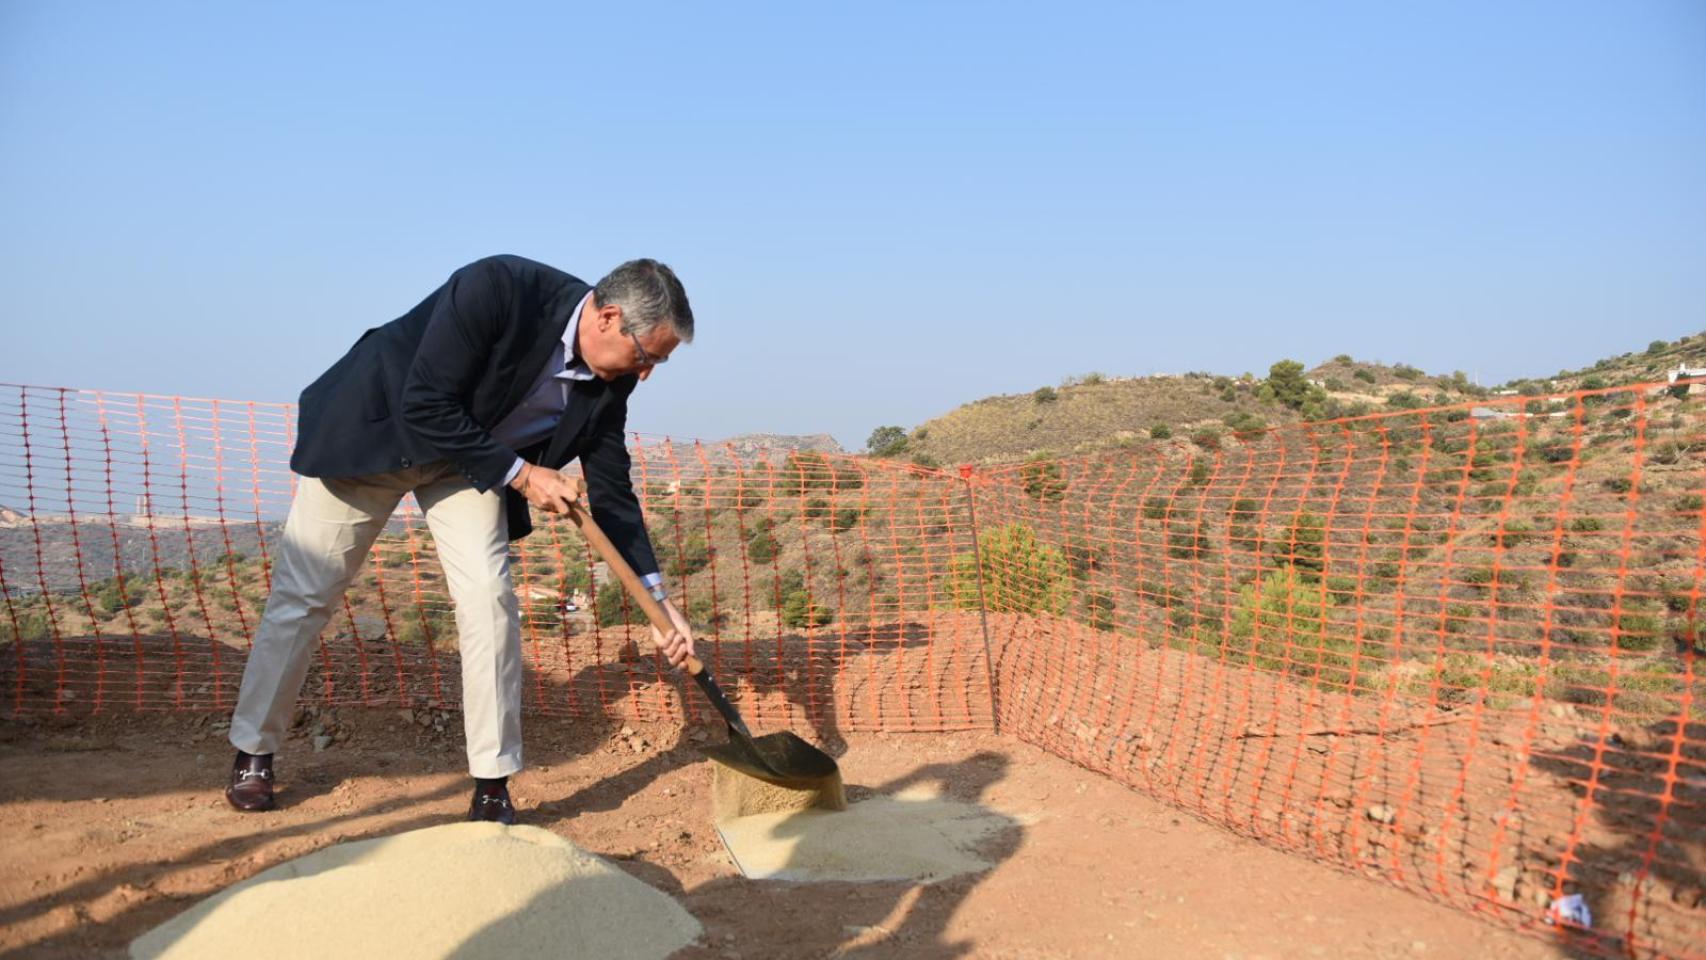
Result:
[780,758]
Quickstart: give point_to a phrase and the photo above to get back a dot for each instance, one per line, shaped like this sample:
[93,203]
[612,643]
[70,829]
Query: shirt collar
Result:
[574,368]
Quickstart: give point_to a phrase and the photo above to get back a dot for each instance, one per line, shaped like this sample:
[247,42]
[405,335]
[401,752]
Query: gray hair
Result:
[649,294]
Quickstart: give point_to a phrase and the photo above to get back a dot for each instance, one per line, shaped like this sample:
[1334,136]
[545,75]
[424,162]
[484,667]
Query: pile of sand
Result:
[464,890]
[914,835]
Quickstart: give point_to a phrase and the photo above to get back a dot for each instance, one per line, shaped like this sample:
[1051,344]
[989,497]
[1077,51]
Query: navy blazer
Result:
[432,383]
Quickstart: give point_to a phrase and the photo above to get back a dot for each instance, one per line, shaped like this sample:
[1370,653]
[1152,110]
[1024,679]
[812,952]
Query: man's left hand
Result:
[677,645]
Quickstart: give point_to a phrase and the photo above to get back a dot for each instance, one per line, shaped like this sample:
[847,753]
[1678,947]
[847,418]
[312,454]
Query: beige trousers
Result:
[331,526]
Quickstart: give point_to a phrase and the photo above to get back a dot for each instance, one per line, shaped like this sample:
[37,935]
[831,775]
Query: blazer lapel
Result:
[585,399]
[556,320]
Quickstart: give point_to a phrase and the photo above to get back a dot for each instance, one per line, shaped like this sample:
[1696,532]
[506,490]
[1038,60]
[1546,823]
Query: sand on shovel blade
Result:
[464,890]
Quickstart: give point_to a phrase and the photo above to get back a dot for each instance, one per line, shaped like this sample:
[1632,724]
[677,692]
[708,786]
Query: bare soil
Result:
[111,824]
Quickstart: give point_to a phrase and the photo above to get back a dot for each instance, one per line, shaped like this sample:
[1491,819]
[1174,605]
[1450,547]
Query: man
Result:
[472,400]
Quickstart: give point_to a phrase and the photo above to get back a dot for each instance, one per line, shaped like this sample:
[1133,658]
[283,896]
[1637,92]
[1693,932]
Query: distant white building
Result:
[1682,372]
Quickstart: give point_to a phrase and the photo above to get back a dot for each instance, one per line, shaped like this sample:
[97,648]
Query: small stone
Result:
[1382,813]
[627,731]
[321,742]
[1504,882]
[1418,946]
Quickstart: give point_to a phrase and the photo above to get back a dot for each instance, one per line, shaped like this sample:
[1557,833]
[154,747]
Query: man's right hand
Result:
[548,489]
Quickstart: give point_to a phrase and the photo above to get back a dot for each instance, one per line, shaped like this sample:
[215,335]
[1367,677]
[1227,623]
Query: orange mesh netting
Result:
[1456,648]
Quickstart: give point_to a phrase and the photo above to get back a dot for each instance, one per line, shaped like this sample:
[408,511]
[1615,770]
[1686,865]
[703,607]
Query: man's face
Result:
[610,353]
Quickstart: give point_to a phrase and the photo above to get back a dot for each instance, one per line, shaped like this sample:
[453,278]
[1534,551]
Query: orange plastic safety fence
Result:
[1456,648]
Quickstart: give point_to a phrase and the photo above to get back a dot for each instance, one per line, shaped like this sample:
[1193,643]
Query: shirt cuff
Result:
[654,583]
[514,472]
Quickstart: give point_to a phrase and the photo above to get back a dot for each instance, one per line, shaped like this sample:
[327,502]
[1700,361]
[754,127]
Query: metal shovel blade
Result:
[781,758]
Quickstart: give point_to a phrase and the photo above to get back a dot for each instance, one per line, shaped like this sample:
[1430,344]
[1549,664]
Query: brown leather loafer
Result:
[250,788]
[493,806]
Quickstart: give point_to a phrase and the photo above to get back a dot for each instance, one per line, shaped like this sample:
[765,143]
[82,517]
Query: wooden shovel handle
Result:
[630,580]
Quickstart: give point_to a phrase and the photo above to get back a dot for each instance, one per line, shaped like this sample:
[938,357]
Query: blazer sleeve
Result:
[465,323]
[610,489]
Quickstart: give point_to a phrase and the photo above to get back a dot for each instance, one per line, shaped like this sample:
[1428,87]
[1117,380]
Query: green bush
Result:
[1245,423]
[762,549]
[109,600]
[800,611]
[1639,631]
[1366,376]
[417,625]
[1045,395]
[1303,545]
[1281,625]
[886,442]
[32,626]
[613,608]
[695,556]
[1019,573]
[1042,480]
[846,519]
[1192,544]
[816,508]
[1287,383]
[1160,432]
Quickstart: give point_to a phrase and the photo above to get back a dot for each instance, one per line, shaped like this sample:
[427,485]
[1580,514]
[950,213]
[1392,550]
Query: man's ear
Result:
[609,314]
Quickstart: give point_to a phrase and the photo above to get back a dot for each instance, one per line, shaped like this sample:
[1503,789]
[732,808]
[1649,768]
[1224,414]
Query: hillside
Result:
[1095,412]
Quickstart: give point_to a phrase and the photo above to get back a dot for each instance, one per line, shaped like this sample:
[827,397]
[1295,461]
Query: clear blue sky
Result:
[880,210]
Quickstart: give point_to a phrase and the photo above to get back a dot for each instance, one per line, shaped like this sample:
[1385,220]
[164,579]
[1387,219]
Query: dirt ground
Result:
[110,825]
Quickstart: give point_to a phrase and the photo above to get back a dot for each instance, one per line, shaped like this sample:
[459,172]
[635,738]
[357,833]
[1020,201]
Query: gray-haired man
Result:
[473,400]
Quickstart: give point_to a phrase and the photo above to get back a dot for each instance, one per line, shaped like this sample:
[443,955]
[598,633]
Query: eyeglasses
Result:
[643,358]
